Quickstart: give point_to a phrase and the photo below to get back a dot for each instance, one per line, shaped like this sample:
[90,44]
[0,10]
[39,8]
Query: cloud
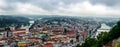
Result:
[29,9]
[106,2]
[99,8]
[87,9]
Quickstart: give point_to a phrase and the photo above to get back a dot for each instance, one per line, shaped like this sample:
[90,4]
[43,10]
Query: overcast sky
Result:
[99,8]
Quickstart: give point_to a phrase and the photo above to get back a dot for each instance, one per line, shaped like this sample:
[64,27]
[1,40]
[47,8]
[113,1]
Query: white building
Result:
[31,22]
[104,28]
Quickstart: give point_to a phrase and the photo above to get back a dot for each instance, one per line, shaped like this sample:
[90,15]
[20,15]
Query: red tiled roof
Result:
[74,39]
[3,38]
[54,39]
[83,33]
[44,29]
[18,33]
[56,33]
[48,45]
[64,40]
[18,30]
[34,38]
[13,30]
[58,30]
[71,32]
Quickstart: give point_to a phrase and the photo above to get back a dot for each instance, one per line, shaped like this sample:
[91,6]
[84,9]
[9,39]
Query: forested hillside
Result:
[104,38]
[13,21]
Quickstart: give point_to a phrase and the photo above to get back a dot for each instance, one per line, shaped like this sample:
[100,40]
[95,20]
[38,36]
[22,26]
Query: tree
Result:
[71,41]
[77,37]
[103,38]
[89,42]
[117,44]
[78,45]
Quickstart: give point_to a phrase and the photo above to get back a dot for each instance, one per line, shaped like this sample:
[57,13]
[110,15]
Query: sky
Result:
[99,8]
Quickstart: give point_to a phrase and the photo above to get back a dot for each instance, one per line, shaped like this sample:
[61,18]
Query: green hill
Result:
[104,38]
[13,21]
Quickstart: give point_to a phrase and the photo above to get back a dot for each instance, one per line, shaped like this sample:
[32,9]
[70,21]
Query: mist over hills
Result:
[6,20]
